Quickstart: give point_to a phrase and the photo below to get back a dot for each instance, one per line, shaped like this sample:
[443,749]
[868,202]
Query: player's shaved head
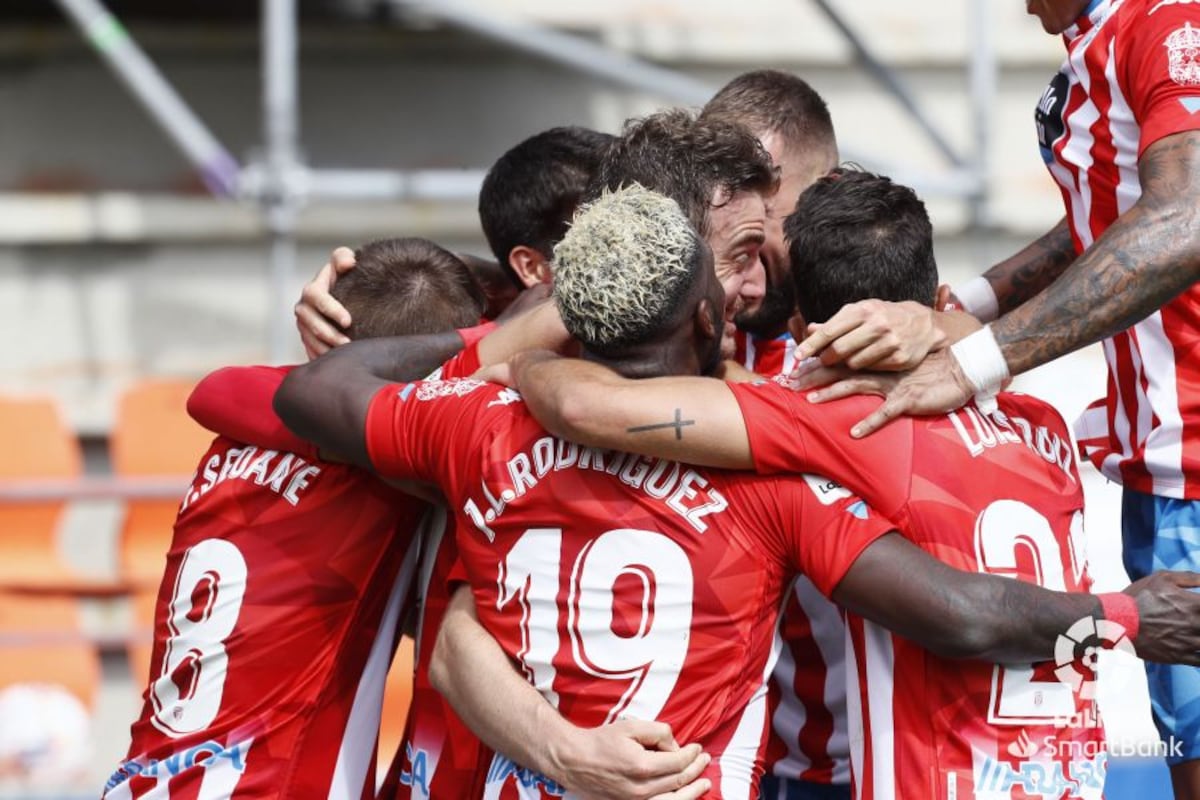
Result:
[624,269]
[408,286]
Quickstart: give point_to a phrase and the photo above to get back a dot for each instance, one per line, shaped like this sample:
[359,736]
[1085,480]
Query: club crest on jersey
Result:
[1183,55]
[434,390]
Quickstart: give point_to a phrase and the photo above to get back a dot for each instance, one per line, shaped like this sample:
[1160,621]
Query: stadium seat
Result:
[37,445]
[41,641]
[397,696]
[153,436]
[141,636]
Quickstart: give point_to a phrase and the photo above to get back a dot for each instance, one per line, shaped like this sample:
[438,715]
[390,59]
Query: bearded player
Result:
[995,492]
[631,586]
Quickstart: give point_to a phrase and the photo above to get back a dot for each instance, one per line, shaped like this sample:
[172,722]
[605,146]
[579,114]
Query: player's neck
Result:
[653,360]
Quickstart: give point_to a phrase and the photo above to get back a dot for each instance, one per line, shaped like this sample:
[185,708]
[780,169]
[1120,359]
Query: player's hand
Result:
[874,334]
[1169,626]
[935,387]
[496,373]
[632,760]
[320,318]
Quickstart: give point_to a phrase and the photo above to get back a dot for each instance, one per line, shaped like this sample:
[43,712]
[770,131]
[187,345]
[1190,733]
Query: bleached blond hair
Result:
[624,267]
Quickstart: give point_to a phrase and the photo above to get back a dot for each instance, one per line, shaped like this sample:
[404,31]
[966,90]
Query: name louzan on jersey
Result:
[286,474]
[681,489]
[980,432]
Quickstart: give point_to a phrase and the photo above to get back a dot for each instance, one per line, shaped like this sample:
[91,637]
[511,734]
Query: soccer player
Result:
[809,752]
[1118,129]
[997,493]
[637,587]
[530,194]
[720,176]
[525,203]
[272,636]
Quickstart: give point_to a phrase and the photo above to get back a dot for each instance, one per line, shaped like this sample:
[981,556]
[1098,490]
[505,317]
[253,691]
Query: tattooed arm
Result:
[1018,278]
[1147,256]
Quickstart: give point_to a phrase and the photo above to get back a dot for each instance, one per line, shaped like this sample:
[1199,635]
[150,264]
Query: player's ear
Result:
[705,322]
[530,265]
[797,327]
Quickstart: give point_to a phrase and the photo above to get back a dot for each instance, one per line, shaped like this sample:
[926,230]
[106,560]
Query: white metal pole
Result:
[280,199]
[982,78]
[217,167]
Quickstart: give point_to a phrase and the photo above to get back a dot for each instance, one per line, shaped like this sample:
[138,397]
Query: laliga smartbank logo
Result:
[1077,652]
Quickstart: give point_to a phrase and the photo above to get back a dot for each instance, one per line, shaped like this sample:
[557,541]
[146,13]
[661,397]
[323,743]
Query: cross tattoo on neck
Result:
[678,425]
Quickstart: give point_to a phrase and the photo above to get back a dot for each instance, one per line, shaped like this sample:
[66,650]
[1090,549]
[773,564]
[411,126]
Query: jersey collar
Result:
[1095,12]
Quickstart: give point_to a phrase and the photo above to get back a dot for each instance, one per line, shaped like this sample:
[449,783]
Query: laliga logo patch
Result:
[1183,55]
[1077,652]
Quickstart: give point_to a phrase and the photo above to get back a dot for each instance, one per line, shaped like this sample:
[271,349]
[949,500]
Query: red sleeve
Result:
[416,431]
[237,402]
[463,365]
[827,528]
[471,336]
[788,434]
[1158,54]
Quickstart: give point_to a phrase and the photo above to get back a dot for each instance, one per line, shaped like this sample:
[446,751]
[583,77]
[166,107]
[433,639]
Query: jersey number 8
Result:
[206,602]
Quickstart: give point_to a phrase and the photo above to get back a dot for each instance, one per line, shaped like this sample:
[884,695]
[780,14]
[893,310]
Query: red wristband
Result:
[472,335]
[1122,609]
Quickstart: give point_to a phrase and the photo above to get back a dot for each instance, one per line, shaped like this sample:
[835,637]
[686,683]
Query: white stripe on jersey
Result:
[1078,150]
[854,715]
[880,686]
[1164,446]
[432,531]
[829,633]
[362,727]
[221,775]
[1124,131]
[743,748]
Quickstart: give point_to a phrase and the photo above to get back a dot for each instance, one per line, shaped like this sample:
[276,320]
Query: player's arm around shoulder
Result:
[628,759]
[690,419]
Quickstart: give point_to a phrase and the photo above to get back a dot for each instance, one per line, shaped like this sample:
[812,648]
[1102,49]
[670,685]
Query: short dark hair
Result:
[855,235]
[687,159]
[403,287]
[770,100]
[531,192]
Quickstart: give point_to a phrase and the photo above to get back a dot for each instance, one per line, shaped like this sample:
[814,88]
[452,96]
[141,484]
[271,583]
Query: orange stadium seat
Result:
[397,696]
[37,445]
[41,641]
[153,436]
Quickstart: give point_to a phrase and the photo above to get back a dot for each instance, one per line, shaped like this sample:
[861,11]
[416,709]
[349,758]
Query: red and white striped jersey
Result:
[807,701]
[621,585]
[995,493]
[769,357]
[275,625]
[1131,77]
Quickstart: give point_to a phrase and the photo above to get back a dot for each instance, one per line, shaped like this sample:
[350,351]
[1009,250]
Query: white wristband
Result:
[979,299]
[983,364]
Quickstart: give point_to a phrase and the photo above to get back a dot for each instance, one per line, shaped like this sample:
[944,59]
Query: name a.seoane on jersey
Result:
[286,474]
[683,490]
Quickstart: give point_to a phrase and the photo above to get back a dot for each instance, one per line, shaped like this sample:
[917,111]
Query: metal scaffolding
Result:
[281,183]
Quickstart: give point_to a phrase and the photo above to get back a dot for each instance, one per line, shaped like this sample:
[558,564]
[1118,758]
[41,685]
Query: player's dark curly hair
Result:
[687,159]
[530,194]
[855,235]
